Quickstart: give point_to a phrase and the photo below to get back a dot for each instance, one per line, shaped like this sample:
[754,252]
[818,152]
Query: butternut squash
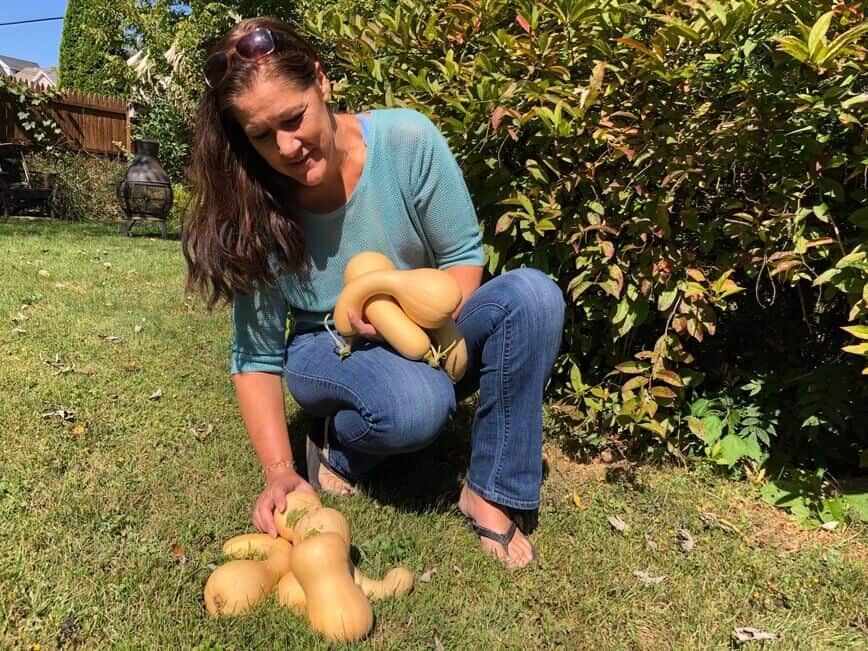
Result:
[235,587]
[397,583]
[427,296]
[297,504]
[320,521]
[426,302]
[291,594]
[384,313]
[335,605]
[450,349]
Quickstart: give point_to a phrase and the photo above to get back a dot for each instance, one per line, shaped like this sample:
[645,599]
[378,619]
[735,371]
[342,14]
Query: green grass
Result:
[91,505]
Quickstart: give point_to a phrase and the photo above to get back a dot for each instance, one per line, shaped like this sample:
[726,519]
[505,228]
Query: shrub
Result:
[86,184]
[692,174]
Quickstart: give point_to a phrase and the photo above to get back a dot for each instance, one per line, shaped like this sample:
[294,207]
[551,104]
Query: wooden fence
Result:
[89,122]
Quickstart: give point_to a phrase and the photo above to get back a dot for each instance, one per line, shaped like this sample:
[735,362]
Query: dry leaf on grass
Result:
[111,339]
[62,413]
[178,553]
[685,541]
[618,524]
[647,579]
[202,431]
[156,395]
[427,575]
[750,634]
[652,545]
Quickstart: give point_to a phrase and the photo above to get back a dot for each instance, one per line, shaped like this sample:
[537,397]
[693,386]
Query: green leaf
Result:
[713,427]
[576,379]
[730,449]
[859,503]
[843,40]
[631,367]
[793,46]
[666,299]
[817,37]
[669,377]
[679,27]
[859,331]
[700,407]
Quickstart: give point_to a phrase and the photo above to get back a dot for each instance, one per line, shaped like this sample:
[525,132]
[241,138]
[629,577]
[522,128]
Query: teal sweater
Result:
[411,204]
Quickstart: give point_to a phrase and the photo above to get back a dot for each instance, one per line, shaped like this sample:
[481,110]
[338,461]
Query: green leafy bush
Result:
[691,173]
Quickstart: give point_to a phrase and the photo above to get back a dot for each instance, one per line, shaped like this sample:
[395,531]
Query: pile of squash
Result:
[411,308]
[309,566]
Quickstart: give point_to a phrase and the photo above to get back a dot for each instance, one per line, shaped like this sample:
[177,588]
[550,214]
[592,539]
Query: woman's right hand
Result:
[362,328]
[273,498]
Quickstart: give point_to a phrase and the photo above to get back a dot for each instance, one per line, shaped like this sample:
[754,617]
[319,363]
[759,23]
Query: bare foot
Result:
[493,517]
[334,484]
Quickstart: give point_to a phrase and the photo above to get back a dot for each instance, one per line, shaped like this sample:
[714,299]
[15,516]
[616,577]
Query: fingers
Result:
[263,514]
[362,328]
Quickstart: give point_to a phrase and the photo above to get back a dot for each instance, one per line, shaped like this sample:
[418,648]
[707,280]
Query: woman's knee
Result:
[535,294]
[406,415]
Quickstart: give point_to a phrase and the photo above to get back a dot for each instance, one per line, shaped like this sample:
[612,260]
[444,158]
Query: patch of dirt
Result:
[725,504]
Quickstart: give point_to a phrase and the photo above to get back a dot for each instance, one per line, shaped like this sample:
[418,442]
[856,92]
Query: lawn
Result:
[125,465]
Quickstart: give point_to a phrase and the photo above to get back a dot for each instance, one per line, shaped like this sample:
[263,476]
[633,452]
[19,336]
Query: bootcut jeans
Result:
[383,404]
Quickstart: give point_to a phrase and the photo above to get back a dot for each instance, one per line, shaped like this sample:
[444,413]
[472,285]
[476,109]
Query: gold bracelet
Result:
[278,465]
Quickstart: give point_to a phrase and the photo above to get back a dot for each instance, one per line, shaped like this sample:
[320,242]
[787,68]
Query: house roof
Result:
[16,64]
[45,76]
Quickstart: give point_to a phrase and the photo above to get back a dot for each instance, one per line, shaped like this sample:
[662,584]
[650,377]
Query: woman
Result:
[286,191]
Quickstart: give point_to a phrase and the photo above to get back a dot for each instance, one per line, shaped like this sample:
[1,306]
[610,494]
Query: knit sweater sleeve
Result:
[259,330]
[440,196]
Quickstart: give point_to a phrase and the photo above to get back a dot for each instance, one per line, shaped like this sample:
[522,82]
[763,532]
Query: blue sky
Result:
[37,42]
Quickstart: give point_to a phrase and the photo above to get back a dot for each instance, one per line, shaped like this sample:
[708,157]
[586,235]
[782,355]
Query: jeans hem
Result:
[501,499]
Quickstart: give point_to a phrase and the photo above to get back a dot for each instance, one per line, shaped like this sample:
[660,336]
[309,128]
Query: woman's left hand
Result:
[363,328]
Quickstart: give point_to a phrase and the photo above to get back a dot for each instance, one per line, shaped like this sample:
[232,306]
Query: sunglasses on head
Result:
[252,46]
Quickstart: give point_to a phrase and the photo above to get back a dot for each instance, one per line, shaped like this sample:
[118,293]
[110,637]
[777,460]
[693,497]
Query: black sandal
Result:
[503,539]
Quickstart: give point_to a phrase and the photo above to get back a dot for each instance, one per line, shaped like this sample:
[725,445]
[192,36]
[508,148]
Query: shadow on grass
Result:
[420,482]
[40,226]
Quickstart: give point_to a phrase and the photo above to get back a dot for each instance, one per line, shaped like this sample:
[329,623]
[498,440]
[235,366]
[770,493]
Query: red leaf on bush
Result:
[522,22]
[497,116]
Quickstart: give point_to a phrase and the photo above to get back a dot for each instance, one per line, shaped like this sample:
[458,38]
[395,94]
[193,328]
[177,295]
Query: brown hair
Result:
[239,214]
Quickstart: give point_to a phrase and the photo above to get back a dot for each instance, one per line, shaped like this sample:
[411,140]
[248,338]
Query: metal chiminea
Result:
[145,192]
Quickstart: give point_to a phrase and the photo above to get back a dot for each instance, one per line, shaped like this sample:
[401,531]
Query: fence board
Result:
[89,122]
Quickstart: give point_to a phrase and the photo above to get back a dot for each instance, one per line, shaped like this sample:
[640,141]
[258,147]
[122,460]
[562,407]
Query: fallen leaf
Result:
[130,367]
[43,273]
[750,634]
[111,339]
[618,524]
[137,329]
[202,431]
[578,502]
[685,541]
[156,395]
[178,552]
[650,542]
[19,331]
[79,430]
[438,643]
[647,579]
[427,575]
[829,526]
[61,412]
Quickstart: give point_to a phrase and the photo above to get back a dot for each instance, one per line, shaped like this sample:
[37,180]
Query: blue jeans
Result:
[383,404]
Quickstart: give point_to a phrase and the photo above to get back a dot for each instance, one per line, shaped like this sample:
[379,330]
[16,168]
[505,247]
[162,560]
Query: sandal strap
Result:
[502,538]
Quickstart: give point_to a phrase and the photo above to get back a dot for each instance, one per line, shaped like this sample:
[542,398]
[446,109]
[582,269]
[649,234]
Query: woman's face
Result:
[289,126]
